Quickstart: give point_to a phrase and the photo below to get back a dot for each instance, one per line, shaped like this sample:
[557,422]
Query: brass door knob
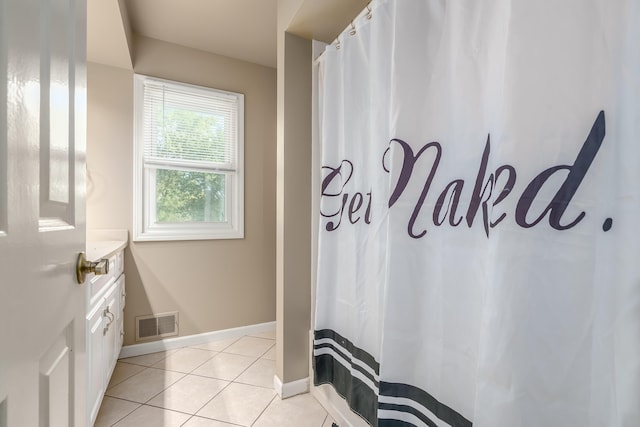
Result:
[84,267]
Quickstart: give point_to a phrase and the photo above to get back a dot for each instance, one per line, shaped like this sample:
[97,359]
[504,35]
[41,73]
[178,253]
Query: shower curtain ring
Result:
[369,13]
[353,29]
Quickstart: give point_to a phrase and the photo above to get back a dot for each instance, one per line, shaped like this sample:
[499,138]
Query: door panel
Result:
[42,139]
[3,122]
[56,116]
[56,383]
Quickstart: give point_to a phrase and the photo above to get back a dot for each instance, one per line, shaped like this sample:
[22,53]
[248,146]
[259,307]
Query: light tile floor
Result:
[222,383]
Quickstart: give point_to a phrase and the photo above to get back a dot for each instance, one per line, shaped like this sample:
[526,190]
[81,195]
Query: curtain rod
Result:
[351,28]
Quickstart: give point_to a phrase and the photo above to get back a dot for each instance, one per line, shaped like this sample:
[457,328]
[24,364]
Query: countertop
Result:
[105,243]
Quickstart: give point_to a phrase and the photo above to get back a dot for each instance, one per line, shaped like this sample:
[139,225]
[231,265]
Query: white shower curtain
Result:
[479,247]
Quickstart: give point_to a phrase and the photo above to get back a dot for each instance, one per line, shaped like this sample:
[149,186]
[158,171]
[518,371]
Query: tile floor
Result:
[222,383]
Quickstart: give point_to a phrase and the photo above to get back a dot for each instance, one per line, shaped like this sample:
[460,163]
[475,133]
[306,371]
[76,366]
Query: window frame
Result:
[145,228]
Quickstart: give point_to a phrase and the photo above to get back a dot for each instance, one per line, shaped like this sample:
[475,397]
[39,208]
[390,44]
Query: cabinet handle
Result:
[111,316]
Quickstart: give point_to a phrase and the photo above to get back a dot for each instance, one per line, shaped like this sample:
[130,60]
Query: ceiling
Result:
[107,34]
[241,29]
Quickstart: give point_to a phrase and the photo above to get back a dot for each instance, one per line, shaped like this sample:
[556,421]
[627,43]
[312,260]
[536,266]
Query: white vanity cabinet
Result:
[105,332]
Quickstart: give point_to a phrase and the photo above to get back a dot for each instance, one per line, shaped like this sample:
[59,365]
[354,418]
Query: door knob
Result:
[84,267]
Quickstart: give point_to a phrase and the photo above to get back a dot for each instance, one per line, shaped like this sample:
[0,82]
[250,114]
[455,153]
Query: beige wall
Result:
[215,284]
[293,260]
[109,146]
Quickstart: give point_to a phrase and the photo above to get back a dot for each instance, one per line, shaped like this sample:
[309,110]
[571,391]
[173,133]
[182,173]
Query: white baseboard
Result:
[292,388]
[190,340]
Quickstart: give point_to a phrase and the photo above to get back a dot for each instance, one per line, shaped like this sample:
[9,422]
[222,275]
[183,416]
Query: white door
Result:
[42,212]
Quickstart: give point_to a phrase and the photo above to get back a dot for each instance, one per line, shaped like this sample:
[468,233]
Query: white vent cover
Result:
[156,326]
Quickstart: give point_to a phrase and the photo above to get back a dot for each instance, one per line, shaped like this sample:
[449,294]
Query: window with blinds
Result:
[189,146]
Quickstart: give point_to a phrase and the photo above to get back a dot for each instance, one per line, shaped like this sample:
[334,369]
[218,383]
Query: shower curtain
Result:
[479,242]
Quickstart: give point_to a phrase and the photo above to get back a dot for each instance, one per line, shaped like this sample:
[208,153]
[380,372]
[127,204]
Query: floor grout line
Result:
[211,358]
[214,396]
[123,380]
[211,378]
[187,420]
[126,415]
[164,389]
[264,410]
[166,409]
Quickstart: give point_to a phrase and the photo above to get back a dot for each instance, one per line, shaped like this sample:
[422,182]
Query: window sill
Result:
[155,236]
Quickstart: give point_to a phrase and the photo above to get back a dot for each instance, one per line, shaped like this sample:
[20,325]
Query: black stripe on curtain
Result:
[394,423]
[420,396]
[339,352]
[361,399]
[405,409]
[357,353]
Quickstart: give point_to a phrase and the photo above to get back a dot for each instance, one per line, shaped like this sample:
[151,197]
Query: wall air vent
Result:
[156,326]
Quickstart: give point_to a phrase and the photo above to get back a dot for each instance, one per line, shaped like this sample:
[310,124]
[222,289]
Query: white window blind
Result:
[170,110]
[189,180]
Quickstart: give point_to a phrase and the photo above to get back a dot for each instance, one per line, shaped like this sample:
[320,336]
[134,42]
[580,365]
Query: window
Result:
[188,162]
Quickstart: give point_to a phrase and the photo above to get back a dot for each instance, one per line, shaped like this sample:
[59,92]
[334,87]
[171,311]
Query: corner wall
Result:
[298,22]
[293,259]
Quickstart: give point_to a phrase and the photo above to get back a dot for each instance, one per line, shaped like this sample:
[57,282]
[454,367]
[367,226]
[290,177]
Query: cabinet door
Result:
[95,360]
[123,293]
[111,333]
